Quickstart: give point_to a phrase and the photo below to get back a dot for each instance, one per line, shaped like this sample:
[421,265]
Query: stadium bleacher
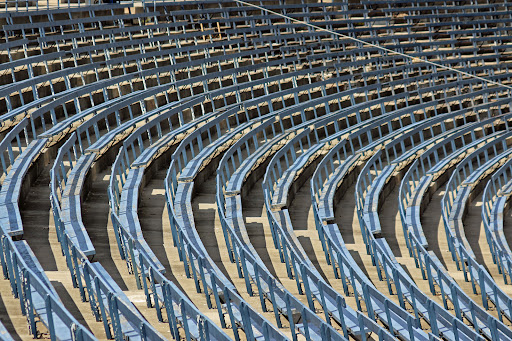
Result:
[256,170]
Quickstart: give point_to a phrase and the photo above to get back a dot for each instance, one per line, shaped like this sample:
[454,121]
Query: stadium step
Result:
[206,217]
[40,233]
[156,228]
[434,232]
[303,220]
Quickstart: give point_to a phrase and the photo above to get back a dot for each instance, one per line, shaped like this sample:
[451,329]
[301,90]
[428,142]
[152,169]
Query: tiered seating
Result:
[108,302]
[341,172]
[396,319]
[208,99]
[229,184]
[370,221]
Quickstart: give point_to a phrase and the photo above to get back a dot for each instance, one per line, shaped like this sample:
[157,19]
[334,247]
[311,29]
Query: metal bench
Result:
[38,299]
[414,244]
[71,205]
[263,279]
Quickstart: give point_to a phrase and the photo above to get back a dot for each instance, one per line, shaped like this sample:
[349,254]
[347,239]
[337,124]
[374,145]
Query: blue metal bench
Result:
[50,13]
[15,167]
[33,265]
[180,214]
[413,244]
[453,208]
[495,200]
[21,109]
[384,258]
[295,164]
[10,217]
[233,306]
[430,159]
[38,299]
[283,218]
[128,213]
[108,292]
[118,101]
[235,221]
[71,205]
[76,21]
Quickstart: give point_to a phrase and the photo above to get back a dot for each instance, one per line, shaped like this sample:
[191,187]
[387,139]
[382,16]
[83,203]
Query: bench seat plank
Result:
[280,197]
[129,217]
[326,200]
[235,183]
[496,223]
[33,264]
[71,205]
[10,216]
[455,217]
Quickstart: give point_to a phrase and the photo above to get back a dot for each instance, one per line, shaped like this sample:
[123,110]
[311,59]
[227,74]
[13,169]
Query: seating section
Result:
[256,170]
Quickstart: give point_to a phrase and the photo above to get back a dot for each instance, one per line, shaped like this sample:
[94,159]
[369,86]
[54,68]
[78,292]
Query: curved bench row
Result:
[108,303]
[410,209]
[396,319]
[343,172]
[378,247]
[270,130]
[251,266]
[322,168]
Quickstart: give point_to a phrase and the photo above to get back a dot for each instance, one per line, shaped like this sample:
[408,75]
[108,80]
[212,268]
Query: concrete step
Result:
[303,220]
[433,228]
[210,231]
[40,234]
[156,228]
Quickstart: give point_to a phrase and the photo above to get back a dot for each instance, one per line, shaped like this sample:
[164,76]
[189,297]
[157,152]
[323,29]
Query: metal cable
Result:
[393,52]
